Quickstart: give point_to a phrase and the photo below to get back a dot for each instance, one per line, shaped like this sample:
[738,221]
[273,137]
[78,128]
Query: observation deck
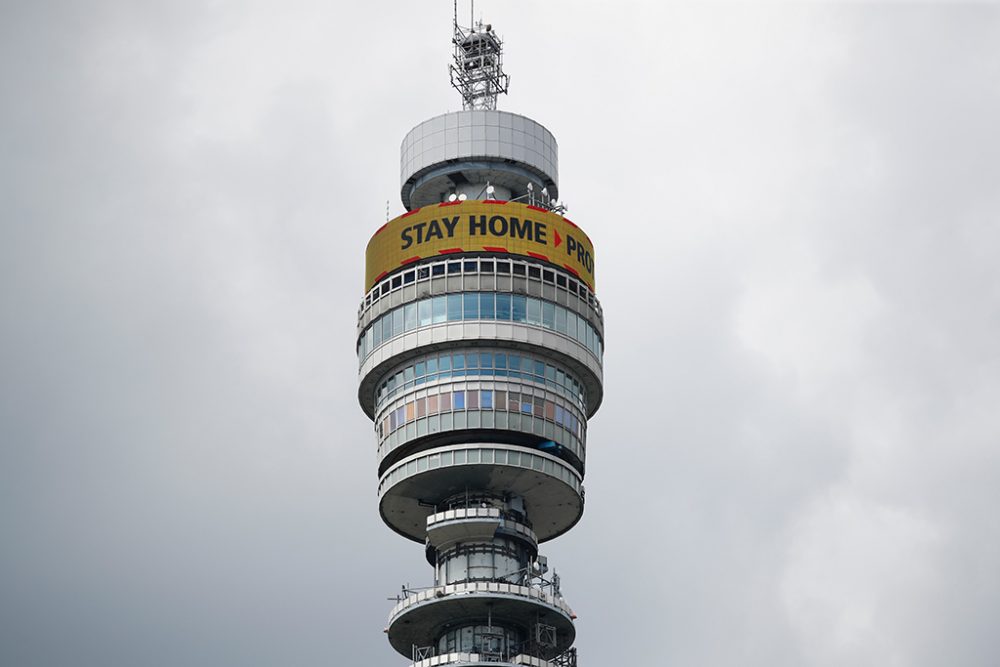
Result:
[425,614]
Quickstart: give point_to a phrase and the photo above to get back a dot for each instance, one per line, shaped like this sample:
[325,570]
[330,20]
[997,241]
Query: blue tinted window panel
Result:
[454,307]
[470,306]
[439,307]
[519,308]
[504,307]
[487,306]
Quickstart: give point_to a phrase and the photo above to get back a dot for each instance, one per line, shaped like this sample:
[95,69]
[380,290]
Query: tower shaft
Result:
[480,345]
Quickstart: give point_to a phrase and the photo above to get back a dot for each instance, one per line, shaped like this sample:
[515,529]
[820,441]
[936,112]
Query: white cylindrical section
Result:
[476,146]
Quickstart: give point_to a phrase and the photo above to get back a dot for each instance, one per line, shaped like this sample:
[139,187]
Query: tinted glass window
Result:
[503,306]
[470,306]
[439,309]
[486,305]
[519,308]
[454,307]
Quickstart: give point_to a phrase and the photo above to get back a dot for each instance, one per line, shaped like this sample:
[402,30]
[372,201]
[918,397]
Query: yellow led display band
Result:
[479,226]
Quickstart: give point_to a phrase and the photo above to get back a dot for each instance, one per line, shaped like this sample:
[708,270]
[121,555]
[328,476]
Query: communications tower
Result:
[480,343]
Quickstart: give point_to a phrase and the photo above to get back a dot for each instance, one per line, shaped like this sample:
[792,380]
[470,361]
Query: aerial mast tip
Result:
[477,67]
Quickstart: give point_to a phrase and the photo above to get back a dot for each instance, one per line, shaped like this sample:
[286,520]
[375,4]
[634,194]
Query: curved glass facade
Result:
[477,364]
[554,426]
[448,399]
[482,306]
[483,273]
[477,456]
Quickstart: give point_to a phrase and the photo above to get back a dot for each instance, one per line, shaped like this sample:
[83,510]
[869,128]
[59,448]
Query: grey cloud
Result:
[796,460]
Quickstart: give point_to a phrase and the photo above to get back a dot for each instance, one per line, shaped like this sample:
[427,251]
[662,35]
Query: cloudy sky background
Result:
[796,212]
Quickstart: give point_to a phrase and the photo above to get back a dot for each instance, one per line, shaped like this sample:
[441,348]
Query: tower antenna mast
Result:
[477,64]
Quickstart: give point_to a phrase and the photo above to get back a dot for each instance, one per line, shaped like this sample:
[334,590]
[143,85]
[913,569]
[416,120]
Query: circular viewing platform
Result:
[418,618]
[551,488]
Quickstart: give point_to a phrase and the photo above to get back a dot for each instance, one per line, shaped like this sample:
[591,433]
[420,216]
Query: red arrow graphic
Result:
[558,238]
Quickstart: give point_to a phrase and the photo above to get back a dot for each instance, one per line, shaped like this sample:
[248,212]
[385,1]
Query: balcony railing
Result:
[480,588]
[567,659]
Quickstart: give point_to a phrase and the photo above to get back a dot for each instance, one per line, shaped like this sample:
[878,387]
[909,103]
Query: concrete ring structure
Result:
[550,488]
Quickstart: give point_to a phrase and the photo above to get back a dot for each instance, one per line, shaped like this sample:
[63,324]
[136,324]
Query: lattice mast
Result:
[477,67]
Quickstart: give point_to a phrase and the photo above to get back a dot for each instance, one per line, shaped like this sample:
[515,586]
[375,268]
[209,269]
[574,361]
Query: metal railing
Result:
[565,659]
[484,587]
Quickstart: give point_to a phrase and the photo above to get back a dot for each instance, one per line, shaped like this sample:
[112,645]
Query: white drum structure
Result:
[480,345]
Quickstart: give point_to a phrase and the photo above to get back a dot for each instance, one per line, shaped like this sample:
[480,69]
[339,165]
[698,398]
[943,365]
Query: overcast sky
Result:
[796,213]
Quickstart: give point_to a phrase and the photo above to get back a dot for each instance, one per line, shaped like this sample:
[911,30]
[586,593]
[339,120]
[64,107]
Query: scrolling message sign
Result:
[479,226]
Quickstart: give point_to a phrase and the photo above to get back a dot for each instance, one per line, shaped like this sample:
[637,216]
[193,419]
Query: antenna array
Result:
[477,67]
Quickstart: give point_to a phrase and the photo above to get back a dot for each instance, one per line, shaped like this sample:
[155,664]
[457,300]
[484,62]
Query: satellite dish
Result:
[452,197]
[462,197]
[530,187]
[545,191]
[490,189]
